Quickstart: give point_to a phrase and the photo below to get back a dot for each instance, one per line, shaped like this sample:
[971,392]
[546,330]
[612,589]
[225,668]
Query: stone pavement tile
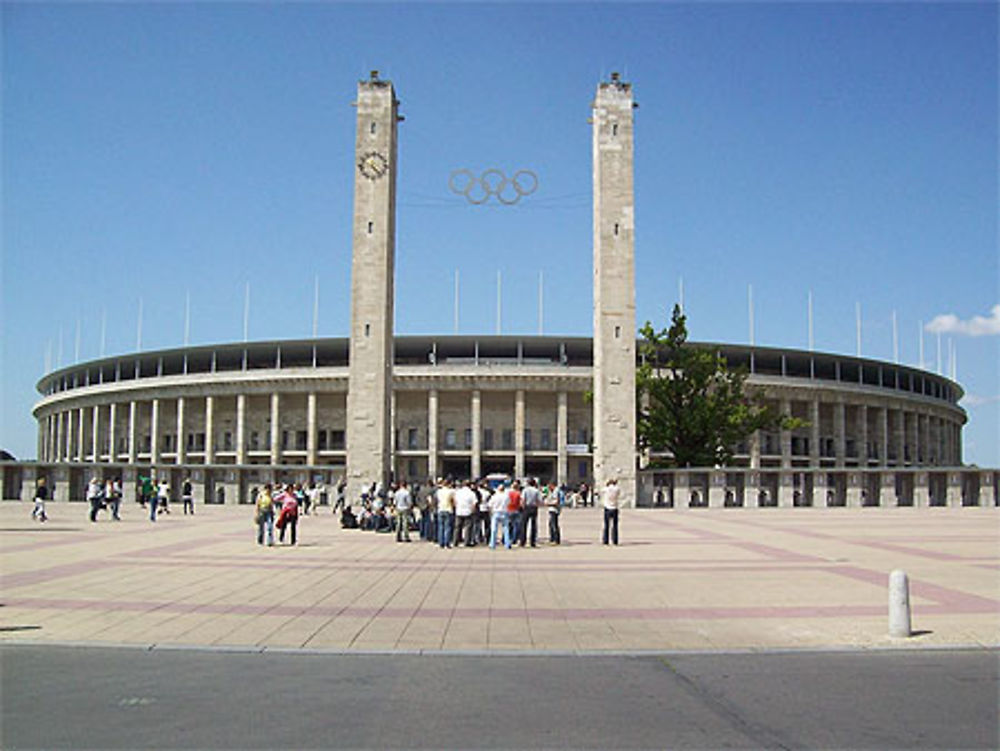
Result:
[381,633]
[467,633]
[296,632]
[424,633]
[509,632]
[338,633]
[550,633]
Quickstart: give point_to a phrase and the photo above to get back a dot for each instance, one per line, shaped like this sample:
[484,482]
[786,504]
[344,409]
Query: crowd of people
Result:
[477,512]
[448,513]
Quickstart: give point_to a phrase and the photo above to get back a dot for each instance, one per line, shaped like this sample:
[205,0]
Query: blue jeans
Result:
[267,521]
[446,524]
[514,525]
[499,523]
[610,520]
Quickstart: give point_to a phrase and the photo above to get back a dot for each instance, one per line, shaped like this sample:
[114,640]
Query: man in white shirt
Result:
[498,514]
[610,498]
[403,502]
[465,509]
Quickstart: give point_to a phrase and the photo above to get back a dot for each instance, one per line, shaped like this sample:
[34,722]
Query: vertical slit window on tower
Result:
[371,226]
[616,228]
[368,329]
[618,332]
[614,129]
[373,128]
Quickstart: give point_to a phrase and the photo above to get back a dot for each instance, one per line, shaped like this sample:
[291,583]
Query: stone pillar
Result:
[814,433]
[181,437]
[81,454]
[954,492]
[113,432]
[839,433]
[519,433]
[57,454]
[311,428]
[911,432]
[61,488]
[785,436]
[987,491]
[614,287]
[887,485]
[133,409]
[820,489]
[432,434]
[786,490]
[154,433]
[755,450]
[861,435]
[883,436]
[477,433]
[716,489]
[373,256]
[562,433]
[241,429]
[95,433]
[897,438]
[275,428]
[921,490]
[751,490]
[854,488]
[29,480]
[209,430]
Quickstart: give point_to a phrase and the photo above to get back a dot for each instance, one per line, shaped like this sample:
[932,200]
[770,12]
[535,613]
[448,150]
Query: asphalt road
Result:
[84,697]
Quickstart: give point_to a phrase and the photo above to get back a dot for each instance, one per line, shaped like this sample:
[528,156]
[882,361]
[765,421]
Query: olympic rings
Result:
[493,182]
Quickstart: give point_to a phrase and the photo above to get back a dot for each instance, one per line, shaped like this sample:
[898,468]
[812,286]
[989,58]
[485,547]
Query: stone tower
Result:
[614,288]
[372,287]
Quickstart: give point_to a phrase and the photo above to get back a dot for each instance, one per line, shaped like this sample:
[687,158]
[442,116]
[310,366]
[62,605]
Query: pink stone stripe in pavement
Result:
[698,579]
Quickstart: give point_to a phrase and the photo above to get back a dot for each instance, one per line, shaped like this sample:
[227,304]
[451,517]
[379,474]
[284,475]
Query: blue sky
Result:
[157,152]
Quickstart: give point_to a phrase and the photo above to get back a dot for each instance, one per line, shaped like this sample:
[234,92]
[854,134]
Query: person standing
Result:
[289,517]
[163,496]
[530,499]
[553,504]
[465,513]
[610,499]
[264,516]
[514,505]
[187,495]
[445,498]
[498,517]
[41,495]
[403,502]
[95,494]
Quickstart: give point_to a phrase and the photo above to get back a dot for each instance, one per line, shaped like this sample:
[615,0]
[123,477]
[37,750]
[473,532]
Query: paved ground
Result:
[86,697]
[724,579]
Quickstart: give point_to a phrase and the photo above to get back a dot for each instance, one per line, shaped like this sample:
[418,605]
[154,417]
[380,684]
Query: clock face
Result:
[373,165]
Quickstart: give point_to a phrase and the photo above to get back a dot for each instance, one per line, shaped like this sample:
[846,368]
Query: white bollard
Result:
[899,604]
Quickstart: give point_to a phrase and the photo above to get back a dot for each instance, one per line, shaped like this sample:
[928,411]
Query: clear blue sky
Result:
[156,151]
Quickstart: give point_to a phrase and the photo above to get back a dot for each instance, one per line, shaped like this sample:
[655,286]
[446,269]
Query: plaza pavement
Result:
[682,580]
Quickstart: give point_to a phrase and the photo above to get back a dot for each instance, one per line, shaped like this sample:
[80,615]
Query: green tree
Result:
[691,404]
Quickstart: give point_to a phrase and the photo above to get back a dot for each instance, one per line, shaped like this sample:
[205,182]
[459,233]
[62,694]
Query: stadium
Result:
[376,407]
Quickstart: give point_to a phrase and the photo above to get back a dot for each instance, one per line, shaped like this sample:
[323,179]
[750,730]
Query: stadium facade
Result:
[374,406]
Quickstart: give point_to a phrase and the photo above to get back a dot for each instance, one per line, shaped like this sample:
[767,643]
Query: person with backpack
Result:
[187,495]
[264,516]
[95,495]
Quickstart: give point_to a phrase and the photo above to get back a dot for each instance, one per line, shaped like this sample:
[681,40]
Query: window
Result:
[337,440]
[284,440]
[488,439]
[199,442]
[527,439]
[371,227]
[227,441]
[368,329]
[546,438]
[449,438]
[321,440]
[167,441]
[616,229]
[618,332]
[412,438]
[614,129]
[254,440]
[374,124]
[583,436]
[507,439]
[467,439]
[411,467]
[301,440]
